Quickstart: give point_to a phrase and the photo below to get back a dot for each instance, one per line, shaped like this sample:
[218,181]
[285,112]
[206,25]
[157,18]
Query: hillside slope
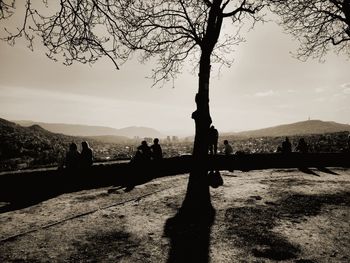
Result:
[33,145]
[298,128]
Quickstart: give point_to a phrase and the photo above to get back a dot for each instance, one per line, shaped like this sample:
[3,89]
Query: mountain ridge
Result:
[297,128]
[93,130]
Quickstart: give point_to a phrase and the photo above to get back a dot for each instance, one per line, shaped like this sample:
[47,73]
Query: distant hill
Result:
[34,146]
[30,145]
[87,130]
[298,128]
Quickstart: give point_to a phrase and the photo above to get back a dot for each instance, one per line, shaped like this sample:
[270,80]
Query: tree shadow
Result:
[254,225]
[189,236]
[307,171]
[189,230]
[326,170]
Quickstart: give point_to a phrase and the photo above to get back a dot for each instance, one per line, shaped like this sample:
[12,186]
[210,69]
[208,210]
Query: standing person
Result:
[213,140]
[302,146]
[228,148]
[156,150]
[72,157]
[286,146]
[86,156]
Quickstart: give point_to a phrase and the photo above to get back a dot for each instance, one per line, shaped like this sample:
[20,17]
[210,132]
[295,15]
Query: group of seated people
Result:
[286,147]
[147,153]
[302,146]
[75,159]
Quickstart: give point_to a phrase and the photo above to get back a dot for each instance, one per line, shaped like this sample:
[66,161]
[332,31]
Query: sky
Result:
[265,86]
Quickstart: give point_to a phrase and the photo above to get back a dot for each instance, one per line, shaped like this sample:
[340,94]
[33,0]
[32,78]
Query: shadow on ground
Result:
[253,226]
[37,188]
[189,236]
[189,230]
[105,247]
[308,171]
[25,189]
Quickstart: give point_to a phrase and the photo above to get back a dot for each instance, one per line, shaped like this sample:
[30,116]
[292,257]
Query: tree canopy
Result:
[320,25]
[173,31]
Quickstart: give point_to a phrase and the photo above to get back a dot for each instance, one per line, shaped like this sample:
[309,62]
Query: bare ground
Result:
[260,216]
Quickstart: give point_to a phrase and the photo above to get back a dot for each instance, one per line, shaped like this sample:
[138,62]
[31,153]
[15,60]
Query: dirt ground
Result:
[260,216]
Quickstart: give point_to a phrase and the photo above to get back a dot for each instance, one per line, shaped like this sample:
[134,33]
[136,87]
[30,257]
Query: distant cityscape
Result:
[171,146]
[35,147]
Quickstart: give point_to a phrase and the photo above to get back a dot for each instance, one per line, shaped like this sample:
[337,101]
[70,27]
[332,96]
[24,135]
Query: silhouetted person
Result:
[213,140]
[279,149]
[86,156]
[72,157]
[302,146]
[156,150]
[349,142]
[228,151]
[228,148]
[286,146]
[145,151]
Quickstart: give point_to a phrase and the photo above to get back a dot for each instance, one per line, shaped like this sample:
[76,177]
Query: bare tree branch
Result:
[172,31]
[319,25]
[6,8]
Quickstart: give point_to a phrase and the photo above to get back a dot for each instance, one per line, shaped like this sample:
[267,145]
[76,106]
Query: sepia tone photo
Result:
[175,131]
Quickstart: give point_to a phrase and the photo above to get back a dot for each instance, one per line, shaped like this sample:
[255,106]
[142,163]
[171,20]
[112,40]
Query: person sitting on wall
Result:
[156,150]
[228,151]
[145,151]
[227,148]
[72,157]
[302,146]
[86,156]
[286,146]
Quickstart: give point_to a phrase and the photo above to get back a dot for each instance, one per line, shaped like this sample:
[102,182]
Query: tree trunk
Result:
[197,198]
[346,10]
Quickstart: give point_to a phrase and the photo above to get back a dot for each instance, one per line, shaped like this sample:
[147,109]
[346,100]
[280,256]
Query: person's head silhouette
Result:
[85,145]
[144,143]
[225,142]
[73,147]
[156,141]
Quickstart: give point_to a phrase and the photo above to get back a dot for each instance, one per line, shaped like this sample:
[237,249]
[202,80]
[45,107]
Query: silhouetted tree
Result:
[172,31]
[317,24]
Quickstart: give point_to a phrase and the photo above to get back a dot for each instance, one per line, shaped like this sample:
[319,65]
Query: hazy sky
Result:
[265,86]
